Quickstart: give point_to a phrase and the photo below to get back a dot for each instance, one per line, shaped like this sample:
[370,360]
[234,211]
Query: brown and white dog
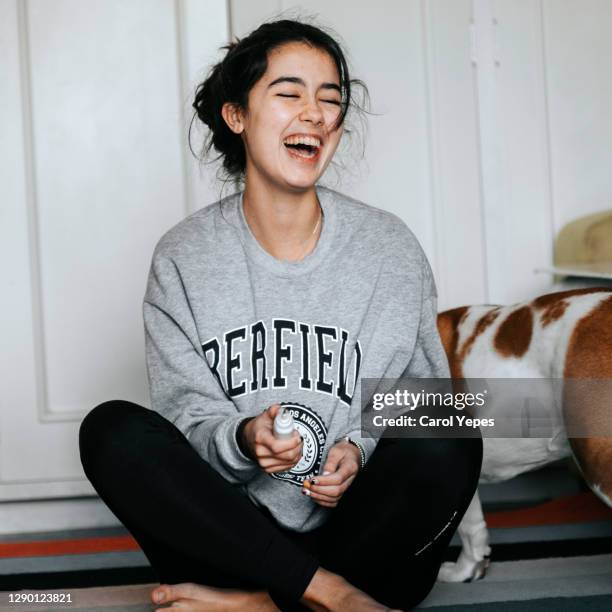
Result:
[566,335]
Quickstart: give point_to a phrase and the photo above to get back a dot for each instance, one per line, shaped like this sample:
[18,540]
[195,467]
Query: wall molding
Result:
[543,70]
[54,515]
[430,87]
[44,414]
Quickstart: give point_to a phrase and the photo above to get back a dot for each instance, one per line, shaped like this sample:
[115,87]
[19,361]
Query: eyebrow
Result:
[298,81]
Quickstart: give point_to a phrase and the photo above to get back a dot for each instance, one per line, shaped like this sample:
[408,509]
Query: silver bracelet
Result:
[362,455]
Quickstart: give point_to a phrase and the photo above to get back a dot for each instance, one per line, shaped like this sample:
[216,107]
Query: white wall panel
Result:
[203,28]
[454,153]
[17,359]
[107,169]
[514,154]
[94,172]
[578,66]
[246,15]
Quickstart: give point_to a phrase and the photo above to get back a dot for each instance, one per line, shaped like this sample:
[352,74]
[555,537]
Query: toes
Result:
[184,590]
[161,593]
[166,593]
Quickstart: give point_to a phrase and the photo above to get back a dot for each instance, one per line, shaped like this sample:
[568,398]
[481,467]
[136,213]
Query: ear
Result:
[233,116]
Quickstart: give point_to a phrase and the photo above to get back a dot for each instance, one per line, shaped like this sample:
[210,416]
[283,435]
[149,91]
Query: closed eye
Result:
[294,96]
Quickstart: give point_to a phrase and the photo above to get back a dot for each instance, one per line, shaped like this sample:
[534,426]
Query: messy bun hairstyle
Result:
[245,62]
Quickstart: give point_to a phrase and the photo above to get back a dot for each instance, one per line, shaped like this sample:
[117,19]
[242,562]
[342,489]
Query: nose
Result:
[312,112]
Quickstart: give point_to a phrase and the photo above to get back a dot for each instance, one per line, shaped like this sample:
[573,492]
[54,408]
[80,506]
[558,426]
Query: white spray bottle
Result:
[283,425]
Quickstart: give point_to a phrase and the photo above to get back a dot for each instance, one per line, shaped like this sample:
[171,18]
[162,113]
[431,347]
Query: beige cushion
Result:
[587,240]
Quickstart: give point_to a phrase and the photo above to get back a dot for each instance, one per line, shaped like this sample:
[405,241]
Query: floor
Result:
[551,539]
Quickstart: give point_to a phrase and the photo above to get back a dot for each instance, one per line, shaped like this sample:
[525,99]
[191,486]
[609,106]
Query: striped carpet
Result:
[551,540]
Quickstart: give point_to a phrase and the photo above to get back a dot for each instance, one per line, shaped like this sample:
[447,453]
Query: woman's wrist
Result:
[241,438]
[357,455]
[357,449]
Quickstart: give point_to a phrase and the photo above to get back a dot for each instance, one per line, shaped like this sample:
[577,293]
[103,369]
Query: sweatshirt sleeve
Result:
[428,358]
[182,385]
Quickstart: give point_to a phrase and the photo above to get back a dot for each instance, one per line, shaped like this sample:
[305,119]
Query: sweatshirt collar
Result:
[290,268]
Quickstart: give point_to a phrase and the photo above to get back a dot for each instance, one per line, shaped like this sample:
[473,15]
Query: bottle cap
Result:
[283,423]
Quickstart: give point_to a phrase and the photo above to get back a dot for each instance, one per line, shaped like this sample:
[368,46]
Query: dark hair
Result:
[245,62]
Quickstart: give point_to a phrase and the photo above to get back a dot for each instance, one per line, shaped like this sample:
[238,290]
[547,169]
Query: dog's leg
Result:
[594,459]
[475,552]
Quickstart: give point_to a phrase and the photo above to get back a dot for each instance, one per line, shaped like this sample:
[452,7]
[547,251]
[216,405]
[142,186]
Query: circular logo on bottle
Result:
[312,428]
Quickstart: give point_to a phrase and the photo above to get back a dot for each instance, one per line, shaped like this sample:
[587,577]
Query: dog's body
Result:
[559,335]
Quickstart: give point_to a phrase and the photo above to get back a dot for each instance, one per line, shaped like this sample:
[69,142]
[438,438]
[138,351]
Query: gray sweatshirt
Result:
[231,330]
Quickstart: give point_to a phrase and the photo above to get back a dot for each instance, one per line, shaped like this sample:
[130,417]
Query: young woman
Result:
[286,293]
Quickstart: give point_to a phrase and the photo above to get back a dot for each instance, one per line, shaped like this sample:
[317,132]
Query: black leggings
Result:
[387,535]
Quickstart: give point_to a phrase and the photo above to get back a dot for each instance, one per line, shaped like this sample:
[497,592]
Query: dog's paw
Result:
[463,570]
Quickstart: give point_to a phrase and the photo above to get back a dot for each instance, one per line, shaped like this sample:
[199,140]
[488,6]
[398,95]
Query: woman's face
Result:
[299,94]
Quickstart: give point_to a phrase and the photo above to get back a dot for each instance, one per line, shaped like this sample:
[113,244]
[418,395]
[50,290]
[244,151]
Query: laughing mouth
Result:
[305,146]
[306,151]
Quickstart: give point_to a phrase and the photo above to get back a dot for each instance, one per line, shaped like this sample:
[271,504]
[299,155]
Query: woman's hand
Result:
[271,454]
[338,473]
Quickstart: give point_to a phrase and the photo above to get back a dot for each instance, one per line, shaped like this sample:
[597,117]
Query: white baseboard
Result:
[55,515]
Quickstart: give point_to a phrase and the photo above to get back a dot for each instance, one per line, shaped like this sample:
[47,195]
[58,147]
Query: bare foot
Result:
[194,597]
[330,592]
[327,592]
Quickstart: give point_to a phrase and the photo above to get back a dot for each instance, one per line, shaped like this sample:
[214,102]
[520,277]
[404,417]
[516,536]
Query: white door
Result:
[94,104]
